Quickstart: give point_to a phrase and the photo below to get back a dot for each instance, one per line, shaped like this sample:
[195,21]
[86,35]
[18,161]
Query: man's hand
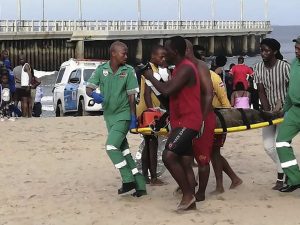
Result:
[133,122]
[98,98]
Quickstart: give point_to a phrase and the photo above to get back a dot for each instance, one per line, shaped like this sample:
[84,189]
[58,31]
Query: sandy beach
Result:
[55,171]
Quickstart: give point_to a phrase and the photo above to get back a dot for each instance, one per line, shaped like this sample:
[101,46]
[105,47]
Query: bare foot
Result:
[236,183]
[199,197]
[157,182]
[219,190]
[187,204]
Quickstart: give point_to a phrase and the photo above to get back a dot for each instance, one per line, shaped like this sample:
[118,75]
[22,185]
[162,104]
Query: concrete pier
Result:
[46,45]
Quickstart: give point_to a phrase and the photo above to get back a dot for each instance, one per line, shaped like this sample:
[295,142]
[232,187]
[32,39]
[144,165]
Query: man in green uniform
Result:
[290,126]
[118,86]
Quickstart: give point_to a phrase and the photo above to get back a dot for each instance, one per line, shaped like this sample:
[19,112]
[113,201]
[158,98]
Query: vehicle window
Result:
[72,75]
[87,74]
[78,74]
[60,75]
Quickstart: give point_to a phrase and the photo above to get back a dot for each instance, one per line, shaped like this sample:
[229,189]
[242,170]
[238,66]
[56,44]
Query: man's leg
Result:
[287,131]
[138,178]
[269,140]
[145,159]
[116,135]
[153,148]
[217,164]
[179,142]
[203,171]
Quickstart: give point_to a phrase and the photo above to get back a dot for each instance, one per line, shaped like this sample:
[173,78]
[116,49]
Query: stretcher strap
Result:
[244,118]
[222,120]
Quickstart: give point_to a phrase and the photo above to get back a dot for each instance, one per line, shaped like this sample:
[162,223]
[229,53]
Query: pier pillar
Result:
[161,41]
[211,46]
[139,50]
[195,41]
[245,44]
[252,44]
[79,51]
[229,45]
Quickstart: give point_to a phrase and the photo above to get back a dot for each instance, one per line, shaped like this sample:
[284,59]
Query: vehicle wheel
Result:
[160,165]
[81,108]
[59,111]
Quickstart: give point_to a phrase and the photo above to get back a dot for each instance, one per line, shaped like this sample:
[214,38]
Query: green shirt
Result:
[293,95]
[115,89]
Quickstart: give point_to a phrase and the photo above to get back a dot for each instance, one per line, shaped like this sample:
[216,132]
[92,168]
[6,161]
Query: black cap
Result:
[297,40]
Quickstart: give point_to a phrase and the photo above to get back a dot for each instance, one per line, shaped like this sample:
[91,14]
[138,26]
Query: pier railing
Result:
[70,25]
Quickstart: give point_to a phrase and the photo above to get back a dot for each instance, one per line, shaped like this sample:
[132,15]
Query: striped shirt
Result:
[275,81]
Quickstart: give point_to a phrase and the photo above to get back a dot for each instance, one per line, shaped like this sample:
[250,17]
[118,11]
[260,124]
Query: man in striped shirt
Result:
[272,78]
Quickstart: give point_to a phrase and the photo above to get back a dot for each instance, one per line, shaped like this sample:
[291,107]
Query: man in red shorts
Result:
[185,118]
[208,146]
[202,146]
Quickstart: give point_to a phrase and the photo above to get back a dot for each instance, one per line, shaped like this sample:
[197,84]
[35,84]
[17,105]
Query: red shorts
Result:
[219,140]
[202,147]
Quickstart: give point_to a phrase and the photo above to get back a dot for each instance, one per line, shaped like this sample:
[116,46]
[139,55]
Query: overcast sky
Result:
[280,12]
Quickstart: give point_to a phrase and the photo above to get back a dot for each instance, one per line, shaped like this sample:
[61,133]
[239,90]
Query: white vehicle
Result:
[69,94]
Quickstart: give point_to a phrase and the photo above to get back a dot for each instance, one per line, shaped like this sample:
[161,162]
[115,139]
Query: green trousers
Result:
[287,131]
[117,149]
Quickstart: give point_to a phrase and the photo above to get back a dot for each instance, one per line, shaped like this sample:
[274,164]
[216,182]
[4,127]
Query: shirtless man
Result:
[202,146]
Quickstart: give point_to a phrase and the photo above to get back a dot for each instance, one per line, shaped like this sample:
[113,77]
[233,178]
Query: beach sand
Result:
[54,171]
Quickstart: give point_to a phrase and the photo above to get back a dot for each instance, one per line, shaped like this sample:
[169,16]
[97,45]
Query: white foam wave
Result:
[47,107]
[47,99]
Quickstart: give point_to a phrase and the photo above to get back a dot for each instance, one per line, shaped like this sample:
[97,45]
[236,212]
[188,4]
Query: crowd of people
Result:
[189,94]
[20,91]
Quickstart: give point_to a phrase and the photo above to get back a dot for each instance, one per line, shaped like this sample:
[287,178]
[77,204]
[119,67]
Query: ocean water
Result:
[284,34]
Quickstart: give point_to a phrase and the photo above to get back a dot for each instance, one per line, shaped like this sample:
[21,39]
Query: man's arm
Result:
[182,78]
[287,103]
[206,89]
[93,82]
[131,99]
[263,97]
[147,96]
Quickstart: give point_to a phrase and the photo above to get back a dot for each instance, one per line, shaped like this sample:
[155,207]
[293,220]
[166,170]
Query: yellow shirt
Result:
[220,99]
[141,107]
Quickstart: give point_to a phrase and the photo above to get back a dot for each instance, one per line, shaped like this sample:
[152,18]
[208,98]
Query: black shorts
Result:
[180,141]
[22,92]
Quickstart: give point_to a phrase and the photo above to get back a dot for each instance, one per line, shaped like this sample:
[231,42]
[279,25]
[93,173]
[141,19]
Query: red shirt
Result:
[239,73]
[185,105]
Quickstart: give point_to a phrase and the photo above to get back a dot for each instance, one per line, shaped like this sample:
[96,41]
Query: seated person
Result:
[240,98]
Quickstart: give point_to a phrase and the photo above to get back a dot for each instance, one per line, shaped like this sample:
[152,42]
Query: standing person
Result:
[240,73]
[23,76]
[5,96]
[185,118]
[272,78]
[219,163]
[218,66]
[240,98]
[202,146]
[148,100]
[290,126]
[119,85]
[37,106]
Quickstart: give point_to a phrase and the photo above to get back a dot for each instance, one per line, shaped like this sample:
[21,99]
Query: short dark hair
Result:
[197,49]
[241,59]
[178,43]
[221,60]
[239,86]
[155,48]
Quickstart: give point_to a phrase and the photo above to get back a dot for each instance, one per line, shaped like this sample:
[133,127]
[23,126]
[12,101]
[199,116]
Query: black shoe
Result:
[139,193]
[279,184]
[126,187]
[289,188]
